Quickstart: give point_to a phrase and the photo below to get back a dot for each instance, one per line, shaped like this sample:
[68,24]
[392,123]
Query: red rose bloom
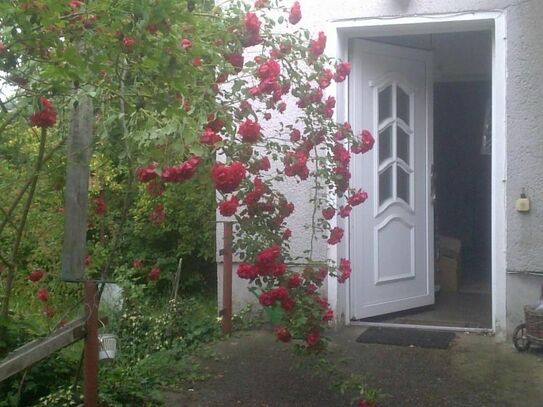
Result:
[249,131]
[197,61]
[316,47]
[286,208]
[236,60]
[295,280]
[157,216]
[344,270]
[227,177]
[269,255]
[42,294]
[247,271]
[296,164]
[279,293]
[279,269]
[185,43]
[35,275]
[261,3]
[357,198]
[323,302]
[147,173]
[269,69]
[183,171]
[288,304]
[214,123]
[229,207]
[341,154]
[46,117]
[266,299]
[264,164]
[326,78]
[328,315]
[252,23]
[336,234]
[328,213]
[75,4]
[312,337]
[295,14]
[209,137]
[282,333]
[295,135]
[322,273]
[343,131]
[345,211]
[342,70]
[252,30]
[137,264]
[365,403]
[154,274]
[100,206]
[129,42]
[287,234]
[365,143]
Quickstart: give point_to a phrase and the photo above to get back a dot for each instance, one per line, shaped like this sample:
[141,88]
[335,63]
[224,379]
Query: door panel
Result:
[391,245]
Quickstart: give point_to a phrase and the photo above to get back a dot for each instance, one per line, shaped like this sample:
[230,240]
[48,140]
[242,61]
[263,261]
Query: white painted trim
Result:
[499,177]
[341,31]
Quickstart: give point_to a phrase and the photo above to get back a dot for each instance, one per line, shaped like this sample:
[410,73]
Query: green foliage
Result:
[156,344]
[41,378]
[183,323]
[65,396]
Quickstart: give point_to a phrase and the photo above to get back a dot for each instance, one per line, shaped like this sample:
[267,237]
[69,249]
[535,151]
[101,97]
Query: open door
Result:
[391,236]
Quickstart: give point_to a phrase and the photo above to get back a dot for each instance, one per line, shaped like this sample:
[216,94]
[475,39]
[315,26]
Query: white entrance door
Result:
[391,235]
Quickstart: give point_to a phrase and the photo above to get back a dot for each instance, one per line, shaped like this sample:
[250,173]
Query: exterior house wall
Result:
[524,123]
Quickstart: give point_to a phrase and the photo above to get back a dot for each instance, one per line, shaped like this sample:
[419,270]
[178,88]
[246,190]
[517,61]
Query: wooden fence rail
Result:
[39,349]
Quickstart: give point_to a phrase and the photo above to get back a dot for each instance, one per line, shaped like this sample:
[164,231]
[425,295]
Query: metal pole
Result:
[227,280]
[90,361]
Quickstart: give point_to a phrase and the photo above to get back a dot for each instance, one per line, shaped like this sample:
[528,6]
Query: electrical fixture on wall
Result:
[523,203]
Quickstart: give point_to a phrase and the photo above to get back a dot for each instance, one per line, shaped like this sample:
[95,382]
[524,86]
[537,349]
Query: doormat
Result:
[407,337]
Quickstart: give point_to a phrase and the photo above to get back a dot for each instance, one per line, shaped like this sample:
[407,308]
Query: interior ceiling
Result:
[462,56]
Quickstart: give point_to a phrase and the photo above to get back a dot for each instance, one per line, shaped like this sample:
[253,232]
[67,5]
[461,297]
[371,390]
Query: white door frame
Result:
[340,32]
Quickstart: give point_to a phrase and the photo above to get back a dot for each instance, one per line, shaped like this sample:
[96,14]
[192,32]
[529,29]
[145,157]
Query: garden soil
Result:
[254,370]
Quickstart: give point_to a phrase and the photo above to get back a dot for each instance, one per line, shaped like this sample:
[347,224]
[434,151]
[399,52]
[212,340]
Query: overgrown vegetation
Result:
[165,92]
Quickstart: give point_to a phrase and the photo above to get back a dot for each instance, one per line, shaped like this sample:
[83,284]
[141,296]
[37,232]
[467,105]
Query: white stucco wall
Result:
[524,122]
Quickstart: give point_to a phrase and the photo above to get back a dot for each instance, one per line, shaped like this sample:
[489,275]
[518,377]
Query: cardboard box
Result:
[448,263]
[450,247]
[447,272]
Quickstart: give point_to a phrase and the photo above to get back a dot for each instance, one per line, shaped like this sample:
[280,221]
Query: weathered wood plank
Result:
[41,348]
[79,151]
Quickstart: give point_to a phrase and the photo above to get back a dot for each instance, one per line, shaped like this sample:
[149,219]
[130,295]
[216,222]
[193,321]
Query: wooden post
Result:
[79,149]
[90,360]
[227,280]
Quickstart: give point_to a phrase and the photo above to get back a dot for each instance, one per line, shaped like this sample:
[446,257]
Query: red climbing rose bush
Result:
[177,94]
